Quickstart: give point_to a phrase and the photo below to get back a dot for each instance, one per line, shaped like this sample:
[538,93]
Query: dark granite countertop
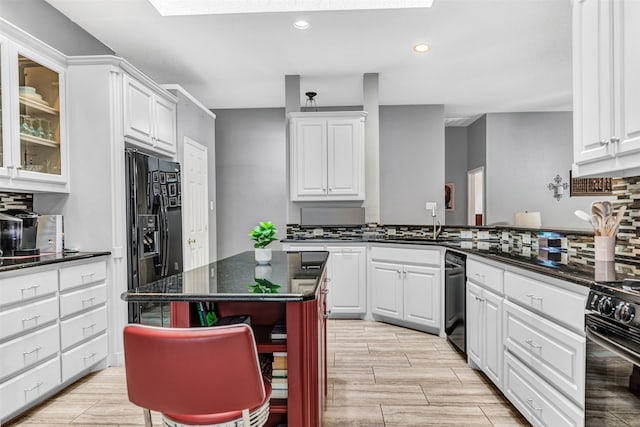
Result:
[239,278]
[560,265]
[15,263]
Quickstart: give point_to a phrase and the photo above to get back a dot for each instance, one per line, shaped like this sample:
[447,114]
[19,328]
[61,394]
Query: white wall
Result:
[250,175]
[411,163]
[525,151]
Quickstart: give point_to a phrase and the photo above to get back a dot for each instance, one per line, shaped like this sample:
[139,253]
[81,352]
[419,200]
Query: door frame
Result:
[189,142]
[474,177]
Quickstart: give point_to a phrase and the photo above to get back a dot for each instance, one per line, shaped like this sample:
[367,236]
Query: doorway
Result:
[475,197]
[195,221]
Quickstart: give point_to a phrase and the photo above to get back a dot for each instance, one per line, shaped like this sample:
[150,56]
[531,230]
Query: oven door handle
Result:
[613,346]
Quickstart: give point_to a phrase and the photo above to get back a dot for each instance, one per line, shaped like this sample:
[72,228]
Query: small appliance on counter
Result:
[10,234]
[29,232]
[50,236]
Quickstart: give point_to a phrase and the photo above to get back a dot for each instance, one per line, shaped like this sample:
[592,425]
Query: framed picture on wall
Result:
[449,197]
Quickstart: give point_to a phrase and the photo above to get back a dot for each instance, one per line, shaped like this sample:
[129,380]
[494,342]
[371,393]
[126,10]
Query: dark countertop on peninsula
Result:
[297,273]
[581,272]
[21,262]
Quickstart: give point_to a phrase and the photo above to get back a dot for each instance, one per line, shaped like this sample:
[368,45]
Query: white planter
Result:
[263,255]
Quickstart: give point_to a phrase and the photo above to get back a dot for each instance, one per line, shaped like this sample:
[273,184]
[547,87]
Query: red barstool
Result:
[196,376]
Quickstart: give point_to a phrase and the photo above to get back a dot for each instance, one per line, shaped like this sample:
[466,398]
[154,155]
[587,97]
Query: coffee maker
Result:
[10,234]
[28,242]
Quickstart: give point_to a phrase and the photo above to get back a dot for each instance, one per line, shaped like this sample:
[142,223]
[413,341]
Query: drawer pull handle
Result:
[91,356]
[535,297]
[35,350]
[480,276]
[91,326]
[88,301]
[27,390]
[33,288]
[30,319]
[533,344]
[87,276]
[530,403]
[324,291]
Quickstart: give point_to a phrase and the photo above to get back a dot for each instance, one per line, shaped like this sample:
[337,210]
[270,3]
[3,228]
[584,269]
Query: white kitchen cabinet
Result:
[149,118]
[346,277]
[484,331]
[54,321]
[606,63]
[405,286]
[33,155]
[327,156]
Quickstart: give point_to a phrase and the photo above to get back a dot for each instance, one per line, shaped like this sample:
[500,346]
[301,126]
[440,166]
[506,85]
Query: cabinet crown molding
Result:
[302,114]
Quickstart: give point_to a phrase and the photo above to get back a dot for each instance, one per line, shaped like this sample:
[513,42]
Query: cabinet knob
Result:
[604,142]
[614,139]
[191,241]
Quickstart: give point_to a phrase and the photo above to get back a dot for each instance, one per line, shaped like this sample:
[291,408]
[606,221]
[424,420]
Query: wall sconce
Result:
[558,187]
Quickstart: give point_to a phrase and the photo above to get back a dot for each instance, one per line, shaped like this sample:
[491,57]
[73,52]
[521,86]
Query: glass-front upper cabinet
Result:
[39,105]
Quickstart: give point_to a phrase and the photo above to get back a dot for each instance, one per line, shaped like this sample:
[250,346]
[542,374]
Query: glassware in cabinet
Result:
[39,100]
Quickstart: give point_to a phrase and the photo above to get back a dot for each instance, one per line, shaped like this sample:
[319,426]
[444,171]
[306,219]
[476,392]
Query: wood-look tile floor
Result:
[378,375]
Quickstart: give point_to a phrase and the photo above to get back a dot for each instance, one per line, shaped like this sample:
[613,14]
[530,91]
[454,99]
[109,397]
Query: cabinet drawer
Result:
[553,301]
[82,299]
[84,326]
[25,388]
[78,275]
[24,318]
[407,255]
[27,286]
[27,350]
[83,356]
[540,403]
[485,275]
[552,351]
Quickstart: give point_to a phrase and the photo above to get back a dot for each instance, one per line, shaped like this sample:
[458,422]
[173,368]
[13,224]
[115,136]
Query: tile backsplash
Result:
[15,201]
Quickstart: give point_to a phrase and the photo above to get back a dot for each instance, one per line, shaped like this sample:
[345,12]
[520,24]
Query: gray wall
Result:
[195,123]
[44,22]
[456,172]
[477,143]
[411,163]
[250,175]
[525,151]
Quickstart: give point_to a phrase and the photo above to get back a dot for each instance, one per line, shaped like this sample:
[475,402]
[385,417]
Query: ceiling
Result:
[486,56]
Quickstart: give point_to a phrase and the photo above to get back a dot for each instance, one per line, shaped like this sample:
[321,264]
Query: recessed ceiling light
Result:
[301,24]
[422,48]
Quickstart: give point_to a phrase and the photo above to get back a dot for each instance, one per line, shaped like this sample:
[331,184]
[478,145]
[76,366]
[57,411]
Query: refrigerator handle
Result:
[164,235]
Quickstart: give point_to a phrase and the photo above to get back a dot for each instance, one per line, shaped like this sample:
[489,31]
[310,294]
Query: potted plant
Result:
[263,234]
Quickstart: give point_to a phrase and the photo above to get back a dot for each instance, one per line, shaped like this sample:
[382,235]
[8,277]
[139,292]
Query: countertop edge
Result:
[67,257]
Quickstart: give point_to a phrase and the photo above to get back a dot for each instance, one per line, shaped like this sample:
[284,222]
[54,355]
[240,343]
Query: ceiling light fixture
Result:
[208,7]
[301,24]
[422,48]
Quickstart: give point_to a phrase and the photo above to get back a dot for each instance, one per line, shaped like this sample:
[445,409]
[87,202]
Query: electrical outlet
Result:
[391,231]
[318,232]
[526,238]
[431,205]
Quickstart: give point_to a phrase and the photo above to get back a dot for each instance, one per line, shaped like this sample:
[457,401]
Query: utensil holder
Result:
[605,248]
[605,271]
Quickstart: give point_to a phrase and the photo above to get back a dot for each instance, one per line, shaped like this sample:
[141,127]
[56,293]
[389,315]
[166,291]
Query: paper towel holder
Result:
[558,187]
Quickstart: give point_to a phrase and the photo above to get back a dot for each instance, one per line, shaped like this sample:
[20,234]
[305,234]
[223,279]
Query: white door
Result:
[309,159]
[474,316]
[422,295]
[627,31]
[386,286]
[592,80]
[348,282]
[195,215]
[492,325]
[475,196]
[343,152]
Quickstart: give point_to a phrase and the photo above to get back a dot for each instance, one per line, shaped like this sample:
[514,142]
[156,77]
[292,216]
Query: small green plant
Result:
[264,233]
[263,286]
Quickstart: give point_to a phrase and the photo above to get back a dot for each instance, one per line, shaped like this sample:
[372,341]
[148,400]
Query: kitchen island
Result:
[291,288]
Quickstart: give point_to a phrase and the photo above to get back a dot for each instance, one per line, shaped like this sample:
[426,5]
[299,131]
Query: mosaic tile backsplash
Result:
[15,201]
[578,244]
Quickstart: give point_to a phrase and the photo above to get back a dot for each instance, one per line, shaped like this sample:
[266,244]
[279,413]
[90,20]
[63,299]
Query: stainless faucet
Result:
[437,228]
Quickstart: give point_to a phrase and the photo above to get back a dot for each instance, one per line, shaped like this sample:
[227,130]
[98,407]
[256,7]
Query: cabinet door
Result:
[474,316]
[491,360]
[422,295]
[627,54]
[386,286]
[592,80]
[348,282]
[308,159]
[138,111]
[165,122]
[345,158]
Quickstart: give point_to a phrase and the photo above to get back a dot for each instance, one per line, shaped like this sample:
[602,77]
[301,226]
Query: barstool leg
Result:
[147,417]
[246,422]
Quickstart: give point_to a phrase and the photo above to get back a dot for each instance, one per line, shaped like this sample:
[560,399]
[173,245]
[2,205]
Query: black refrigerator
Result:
[154,223]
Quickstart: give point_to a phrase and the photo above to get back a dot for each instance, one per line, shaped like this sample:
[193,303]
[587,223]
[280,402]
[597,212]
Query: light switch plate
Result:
[483,235]
[466,234]
[431,205]
[318,232]
[526,238]
[391,231]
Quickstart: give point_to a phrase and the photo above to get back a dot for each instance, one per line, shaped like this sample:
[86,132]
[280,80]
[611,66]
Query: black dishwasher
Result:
[455,289]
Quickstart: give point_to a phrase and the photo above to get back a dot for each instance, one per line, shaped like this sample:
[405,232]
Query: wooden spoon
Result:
[589,218]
